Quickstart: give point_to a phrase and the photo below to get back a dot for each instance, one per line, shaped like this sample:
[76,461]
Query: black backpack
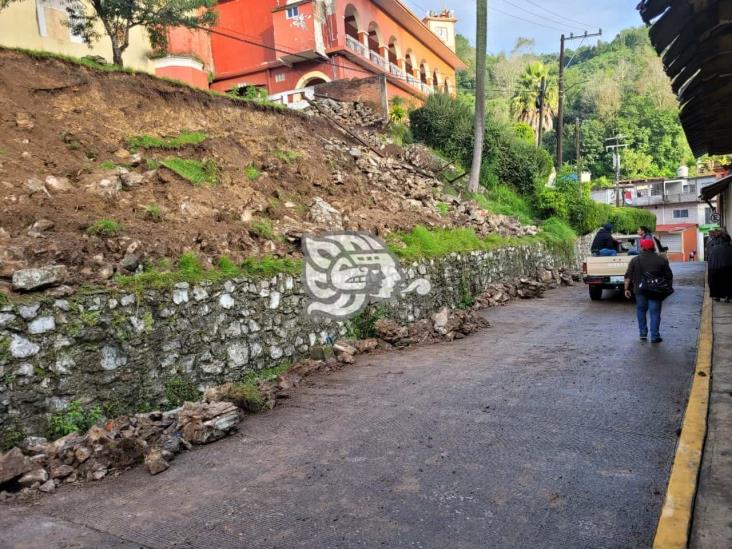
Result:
[655,287]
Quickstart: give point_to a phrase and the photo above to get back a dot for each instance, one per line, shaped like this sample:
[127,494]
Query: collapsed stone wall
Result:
[120,349]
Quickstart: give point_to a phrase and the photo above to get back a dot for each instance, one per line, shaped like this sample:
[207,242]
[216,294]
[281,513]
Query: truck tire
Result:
[595,293]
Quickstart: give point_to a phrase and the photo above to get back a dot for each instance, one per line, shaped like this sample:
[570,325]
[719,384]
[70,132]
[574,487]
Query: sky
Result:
[543,20]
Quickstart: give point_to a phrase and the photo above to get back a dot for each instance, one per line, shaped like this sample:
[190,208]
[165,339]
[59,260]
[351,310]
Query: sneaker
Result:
[644,338]
[659,340]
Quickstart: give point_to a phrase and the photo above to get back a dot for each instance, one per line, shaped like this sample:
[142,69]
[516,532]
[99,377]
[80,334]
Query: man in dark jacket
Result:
[604,243]
[647,262]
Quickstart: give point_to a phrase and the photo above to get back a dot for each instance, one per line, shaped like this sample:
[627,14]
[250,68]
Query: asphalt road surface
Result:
[554,428]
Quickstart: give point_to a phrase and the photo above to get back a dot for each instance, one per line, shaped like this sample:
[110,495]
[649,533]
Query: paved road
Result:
[554,428]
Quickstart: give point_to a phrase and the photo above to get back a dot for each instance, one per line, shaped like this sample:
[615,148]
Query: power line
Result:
[509,14]
[552,19]
[584,25]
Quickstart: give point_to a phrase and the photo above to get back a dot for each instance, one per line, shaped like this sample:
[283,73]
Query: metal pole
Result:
[560,113]
[542,94]
[578,157]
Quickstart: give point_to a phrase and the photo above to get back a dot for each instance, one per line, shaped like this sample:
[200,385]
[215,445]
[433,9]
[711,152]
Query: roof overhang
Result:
[694,38]
[710,191]
[405,17]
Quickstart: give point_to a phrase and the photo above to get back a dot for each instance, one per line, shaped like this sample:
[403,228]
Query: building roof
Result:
[710,191]
[675,228]
[694,38]
[406,17]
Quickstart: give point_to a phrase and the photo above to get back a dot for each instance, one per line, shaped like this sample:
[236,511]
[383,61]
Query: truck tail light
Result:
[584,267]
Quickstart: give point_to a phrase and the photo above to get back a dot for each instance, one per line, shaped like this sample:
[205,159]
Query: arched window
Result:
[394,51]
[353,22]
[446,86]
[409,63]
[374,38]
[423,73]
[436,81]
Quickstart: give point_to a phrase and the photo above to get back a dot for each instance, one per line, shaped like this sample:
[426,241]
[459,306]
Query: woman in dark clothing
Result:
[720,268]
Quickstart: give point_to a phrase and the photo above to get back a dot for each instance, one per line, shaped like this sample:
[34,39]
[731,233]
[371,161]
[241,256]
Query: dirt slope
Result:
[65,121]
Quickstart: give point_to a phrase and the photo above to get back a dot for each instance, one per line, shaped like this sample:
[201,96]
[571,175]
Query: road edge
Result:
[674,525]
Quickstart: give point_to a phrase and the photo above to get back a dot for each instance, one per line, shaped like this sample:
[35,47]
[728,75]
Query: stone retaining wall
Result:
[120,349]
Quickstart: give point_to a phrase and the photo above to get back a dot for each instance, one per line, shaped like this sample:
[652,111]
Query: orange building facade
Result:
[286,45]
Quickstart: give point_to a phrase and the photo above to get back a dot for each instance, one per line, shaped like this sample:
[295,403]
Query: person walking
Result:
[720,268]
[649,268]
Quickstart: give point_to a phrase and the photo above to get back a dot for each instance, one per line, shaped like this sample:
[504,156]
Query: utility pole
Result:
[578,155]
[540,107]
[481,47]
[560,113]
[616,145]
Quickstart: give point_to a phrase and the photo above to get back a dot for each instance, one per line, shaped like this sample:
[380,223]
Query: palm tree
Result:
[481,46]
[524,103]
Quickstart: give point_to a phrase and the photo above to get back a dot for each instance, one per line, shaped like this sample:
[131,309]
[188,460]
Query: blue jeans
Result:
[653,306]
[607,252]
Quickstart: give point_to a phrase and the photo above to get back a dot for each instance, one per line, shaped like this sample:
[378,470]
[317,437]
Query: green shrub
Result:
[183,139]
[154,212]
[503,200]
[179,390]
[400,134]
[287,156]
[627,220]
[104,227]
[189,266]
[263,228]
[76,418]
[252,173]
[196,172]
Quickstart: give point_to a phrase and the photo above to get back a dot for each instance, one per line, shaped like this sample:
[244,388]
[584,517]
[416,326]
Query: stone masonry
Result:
[119,349]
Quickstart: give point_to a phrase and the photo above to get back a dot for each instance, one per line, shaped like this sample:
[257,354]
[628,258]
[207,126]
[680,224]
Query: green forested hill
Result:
[613,87]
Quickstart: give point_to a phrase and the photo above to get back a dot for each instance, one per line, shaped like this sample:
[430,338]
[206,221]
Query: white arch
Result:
[351,11]
[302,83]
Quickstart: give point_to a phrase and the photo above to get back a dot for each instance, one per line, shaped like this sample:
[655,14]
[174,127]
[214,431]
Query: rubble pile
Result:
[498,294]
[351,114]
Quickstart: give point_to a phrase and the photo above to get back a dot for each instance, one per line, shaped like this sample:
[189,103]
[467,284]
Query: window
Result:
[689,188]
[280,77]
[293,12]
[679,214]
[708,216]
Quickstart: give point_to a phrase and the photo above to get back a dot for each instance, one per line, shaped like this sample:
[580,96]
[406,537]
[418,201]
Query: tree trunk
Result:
[480,58]
[117,55]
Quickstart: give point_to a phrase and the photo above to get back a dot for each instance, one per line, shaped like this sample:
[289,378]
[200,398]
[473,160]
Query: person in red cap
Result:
[651,279]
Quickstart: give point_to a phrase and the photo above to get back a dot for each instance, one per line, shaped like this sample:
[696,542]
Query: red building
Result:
[286,45]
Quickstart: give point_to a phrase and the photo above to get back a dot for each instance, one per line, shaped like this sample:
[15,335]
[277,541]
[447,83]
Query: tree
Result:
[481,50]
[117,17]
[6,3]
[525,100]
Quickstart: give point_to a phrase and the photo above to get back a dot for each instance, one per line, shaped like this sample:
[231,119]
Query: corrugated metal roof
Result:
[694,38]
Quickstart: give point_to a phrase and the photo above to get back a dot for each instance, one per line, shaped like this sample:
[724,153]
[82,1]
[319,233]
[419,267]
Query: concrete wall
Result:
[119,349]
[20,27]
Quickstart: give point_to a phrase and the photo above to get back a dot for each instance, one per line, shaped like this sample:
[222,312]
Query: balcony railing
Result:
[396,71]
[356,46]
[676,198]
[378,59]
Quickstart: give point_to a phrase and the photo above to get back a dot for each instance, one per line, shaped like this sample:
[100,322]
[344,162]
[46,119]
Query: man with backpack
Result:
[652,281]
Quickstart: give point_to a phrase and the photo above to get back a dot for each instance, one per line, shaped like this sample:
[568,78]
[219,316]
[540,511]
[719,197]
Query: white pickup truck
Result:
[608,272]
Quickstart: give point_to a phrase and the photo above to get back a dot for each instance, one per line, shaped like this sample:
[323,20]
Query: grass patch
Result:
[11,438]
[287,156]
[443,208]
[189,269]
[252,173]
[154,212]
[196,172]
[104,227]
[185,138]
[108,165]
[558,236]
[76,418]
[263,228]
[422,242]
[503,200]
